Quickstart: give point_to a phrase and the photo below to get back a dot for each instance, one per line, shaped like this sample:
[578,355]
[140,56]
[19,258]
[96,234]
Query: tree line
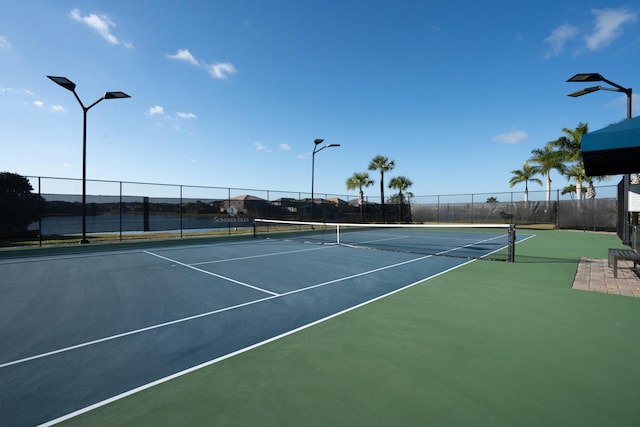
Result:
[562,155]
[19,207]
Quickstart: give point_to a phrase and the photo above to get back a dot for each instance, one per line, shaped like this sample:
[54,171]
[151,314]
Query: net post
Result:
[338,234]
[255,232]
[512,243]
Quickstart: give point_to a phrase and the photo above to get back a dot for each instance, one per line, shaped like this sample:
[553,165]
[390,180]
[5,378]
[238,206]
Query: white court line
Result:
[263,255]
[235,353]
[136,331]
[209,313]
[237,282]
[385,239]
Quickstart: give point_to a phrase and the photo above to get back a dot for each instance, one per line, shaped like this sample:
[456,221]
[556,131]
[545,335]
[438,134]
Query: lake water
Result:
[114,223]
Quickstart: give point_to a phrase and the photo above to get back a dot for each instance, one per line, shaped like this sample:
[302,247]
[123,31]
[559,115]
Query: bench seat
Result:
[622,254]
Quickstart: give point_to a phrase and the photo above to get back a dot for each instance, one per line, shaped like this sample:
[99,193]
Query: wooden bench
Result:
[616,254]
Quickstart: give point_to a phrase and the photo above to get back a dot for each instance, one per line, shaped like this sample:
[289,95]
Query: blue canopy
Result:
[613,150]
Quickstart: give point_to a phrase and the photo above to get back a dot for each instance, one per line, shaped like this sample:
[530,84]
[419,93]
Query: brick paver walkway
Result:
[594,275]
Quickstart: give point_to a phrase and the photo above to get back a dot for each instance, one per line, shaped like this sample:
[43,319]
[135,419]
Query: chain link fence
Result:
[121,209]
[553,209]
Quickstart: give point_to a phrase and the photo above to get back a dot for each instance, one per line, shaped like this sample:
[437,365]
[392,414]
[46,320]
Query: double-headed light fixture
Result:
[596,77]
[71,86]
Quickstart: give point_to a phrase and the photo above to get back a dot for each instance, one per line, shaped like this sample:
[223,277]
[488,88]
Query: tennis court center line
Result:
[209,313]
[251,347]
[263,255]
[237,282]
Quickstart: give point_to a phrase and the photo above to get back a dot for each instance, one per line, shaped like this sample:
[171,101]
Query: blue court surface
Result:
[78,329]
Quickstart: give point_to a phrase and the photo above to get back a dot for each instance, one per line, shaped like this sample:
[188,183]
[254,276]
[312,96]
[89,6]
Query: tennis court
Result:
[84,327]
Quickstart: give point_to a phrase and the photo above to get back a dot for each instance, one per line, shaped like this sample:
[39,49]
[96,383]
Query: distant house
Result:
[337,201]
[245,204]
[287,203]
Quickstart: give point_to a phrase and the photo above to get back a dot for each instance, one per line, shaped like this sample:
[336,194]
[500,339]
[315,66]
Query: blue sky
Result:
[233,93]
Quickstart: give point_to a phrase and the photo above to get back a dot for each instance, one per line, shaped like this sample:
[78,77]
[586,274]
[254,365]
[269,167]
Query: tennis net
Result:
[473,241]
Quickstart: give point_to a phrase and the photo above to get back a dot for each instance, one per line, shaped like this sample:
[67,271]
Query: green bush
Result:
[19,207]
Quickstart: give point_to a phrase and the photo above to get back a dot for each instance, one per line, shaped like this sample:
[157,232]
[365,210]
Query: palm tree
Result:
[359,180]
[570,145]
[383,164]
[525,175]
[570,190]
[400,183]
[577,173]
[548,159]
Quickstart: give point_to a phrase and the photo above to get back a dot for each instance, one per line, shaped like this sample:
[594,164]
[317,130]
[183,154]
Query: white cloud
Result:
[101,24]
[558,38]
[4,42]
[284,147]
[56,108]
[175,121]
[261,147]
[184,55]
[608,25]
[156,110]
[512,137]
[15,91]
[221,70]
[620,102]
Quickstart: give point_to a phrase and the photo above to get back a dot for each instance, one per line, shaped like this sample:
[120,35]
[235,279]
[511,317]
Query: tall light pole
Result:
[71,86]
[596,77]
[317,142]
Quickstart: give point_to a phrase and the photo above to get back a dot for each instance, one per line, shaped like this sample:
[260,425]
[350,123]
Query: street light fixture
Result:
[317,142]
[71,86]
[596,77]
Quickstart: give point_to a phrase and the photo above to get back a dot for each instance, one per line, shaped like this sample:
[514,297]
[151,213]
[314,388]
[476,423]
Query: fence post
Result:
[145,213]
[120,211]
[512,207]
[269,204]
[472,212]
[557,209]
[228,209]
[40,203]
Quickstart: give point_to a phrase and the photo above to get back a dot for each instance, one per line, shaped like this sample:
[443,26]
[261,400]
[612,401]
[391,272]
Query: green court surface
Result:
[488,344]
